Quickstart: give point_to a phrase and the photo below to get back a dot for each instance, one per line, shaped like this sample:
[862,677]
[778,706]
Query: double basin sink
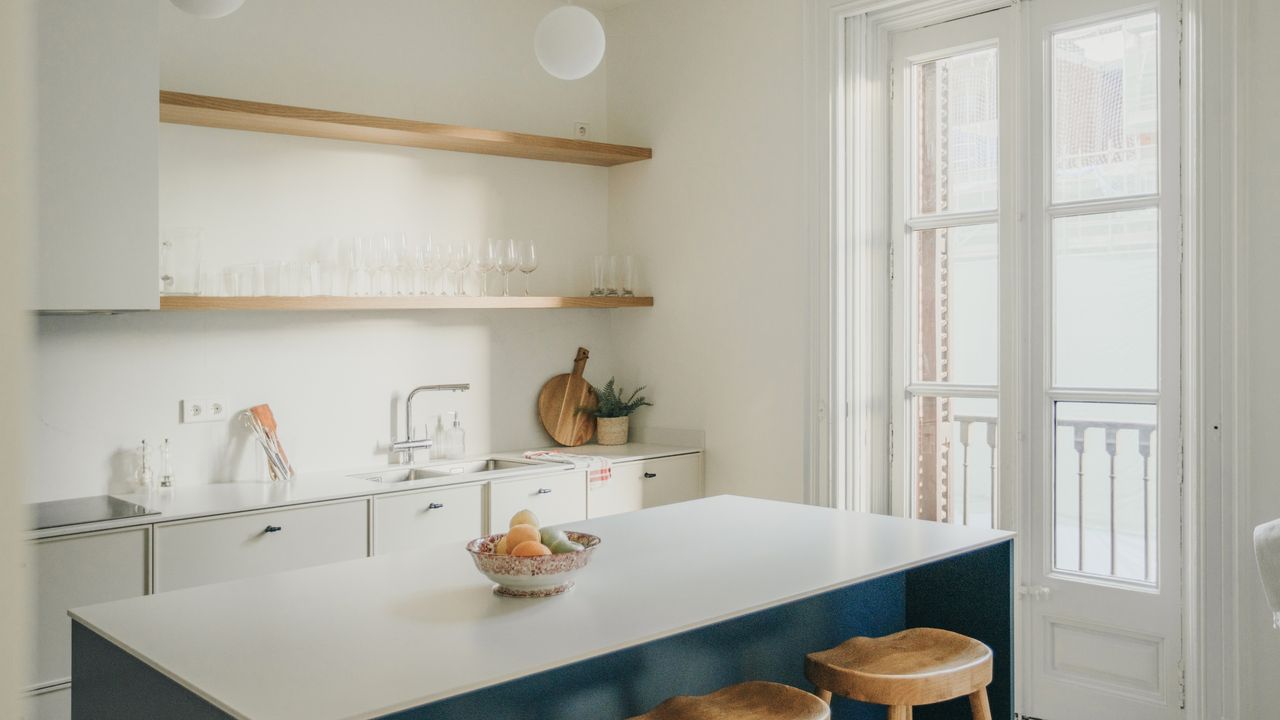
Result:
[474,467]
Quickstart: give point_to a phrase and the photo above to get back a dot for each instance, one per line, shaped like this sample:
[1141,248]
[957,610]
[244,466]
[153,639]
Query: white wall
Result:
[106,382]
[717,217]
[1260,344]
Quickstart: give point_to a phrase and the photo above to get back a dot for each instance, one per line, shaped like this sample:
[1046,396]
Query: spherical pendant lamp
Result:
[569,42]
[208,9]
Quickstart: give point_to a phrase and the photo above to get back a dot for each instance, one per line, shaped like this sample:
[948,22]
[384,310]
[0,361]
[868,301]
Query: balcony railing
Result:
[1118,543]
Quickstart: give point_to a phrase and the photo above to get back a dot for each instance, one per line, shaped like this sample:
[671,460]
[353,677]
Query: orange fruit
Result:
[530,548]
[522,533]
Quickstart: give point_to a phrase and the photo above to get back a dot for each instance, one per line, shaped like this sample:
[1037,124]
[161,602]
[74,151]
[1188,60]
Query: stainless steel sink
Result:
[446,469]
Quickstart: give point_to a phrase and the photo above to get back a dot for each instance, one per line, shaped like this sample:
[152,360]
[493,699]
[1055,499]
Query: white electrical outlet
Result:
[201,410]
[581,131]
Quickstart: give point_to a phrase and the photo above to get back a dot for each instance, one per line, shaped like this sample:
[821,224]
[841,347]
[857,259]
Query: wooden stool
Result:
[754,700]
[920,666]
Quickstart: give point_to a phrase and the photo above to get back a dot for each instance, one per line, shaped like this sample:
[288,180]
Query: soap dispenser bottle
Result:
[455,438]
[439,443]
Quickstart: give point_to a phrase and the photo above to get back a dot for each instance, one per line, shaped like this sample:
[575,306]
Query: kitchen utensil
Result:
[261,414]
[561,403]
[531,577]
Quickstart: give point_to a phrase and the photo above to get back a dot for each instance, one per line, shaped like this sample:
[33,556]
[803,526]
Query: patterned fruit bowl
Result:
[531,577]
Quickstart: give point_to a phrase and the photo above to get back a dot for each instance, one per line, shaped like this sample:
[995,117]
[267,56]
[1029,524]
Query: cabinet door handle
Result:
[543,491]
[273,529]
[436,506]
[651,475]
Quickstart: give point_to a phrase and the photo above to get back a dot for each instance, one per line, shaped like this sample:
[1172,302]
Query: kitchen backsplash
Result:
[336,382]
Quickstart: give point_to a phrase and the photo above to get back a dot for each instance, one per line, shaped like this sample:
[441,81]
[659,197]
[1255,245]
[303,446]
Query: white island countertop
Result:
[370,637]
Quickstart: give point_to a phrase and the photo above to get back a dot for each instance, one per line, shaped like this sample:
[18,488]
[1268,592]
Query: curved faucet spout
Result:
[410,445]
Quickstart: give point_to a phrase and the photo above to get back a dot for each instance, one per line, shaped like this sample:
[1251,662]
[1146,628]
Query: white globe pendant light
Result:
[208,9]
[569,42]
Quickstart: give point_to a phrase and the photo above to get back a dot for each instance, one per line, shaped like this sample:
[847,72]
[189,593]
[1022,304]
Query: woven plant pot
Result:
[612,431]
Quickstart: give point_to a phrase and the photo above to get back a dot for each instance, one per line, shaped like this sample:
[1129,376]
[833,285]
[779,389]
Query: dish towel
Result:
[1266,545]
[599,469]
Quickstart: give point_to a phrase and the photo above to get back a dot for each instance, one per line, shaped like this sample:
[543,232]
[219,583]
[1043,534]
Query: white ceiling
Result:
[606,4]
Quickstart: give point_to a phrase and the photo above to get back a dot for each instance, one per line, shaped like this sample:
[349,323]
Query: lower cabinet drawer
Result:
[555,499]
[200,552]
[51,704]
[408,521]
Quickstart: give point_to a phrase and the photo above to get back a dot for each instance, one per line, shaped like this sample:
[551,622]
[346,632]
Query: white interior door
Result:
[1100,540]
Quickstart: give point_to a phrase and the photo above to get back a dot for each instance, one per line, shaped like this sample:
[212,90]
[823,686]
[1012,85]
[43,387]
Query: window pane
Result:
[957,321]
[956,133]
[1105,489]
[1105,295]
[1105,109]
[955,449]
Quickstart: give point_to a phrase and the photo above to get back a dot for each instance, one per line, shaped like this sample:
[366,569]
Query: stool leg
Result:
[824,695]
[978,703]
[901,712]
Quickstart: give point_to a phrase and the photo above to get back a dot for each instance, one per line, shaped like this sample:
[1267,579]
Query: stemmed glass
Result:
[486,259]
[358,262]
[384,264]
[403,263]
[459,261]
[528,262]
[508,261]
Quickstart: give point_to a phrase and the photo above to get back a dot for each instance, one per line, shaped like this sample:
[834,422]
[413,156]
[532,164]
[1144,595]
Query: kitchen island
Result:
[680,599]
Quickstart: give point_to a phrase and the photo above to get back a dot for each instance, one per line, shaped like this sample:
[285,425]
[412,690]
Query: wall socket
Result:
[201,410]
[581,131]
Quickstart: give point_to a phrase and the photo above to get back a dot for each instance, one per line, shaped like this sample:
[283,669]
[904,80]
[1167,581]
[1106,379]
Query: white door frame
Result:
[847,458]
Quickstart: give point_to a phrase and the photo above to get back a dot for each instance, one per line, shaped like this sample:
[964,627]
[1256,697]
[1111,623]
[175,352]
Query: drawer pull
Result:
[436,506]
[543,491]
[273,529]
[651,475]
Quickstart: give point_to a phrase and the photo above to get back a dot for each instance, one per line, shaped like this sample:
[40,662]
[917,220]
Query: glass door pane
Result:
[956,451]
[956,301]
[1105,490]
[957,132]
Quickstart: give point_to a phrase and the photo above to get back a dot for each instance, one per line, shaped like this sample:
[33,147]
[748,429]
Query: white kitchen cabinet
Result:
[73,571]
[199,552]
[49,704]
[97,155]
[413,520]
[555,499]
[647,483]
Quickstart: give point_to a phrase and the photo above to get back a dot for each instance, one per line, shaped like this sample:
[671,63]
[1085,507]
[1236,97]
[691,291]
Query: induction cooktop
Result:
[98,508]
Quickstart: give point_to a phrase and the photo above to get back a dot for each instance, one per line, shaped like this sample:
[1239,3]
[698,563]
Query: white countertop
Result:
[369,637]
[189,501]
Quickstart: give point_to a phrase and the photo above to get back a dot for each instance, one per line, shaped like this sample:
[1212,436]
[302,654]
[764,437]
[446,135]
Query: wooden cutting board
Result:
[559,403]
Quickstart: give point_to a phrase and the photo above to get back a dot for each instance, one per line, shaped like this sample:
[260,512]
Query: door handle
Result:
[273,529]
[543,491]
[436,506]
[651,475]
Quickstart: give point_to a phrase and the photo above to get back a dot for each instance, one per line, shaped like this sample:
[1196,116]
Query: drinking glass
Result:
[528,262]
[384,267]
[599,268]
[628,281]
[611,278]
[358,280]
[486,260]
[508,261]
[404,265]
[460,260]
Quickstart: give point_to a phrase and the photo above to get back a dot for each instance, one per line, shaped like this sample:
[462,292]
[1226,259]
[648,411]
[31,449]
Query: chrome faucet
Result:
[409,444]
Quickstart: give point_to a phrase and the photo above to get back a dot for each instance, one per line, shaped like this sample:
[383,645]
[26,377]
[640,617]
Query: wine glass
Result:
[384,264]
[486,260]
[508,261]
[459,261]
[402,264]
[528,261]
[358,267]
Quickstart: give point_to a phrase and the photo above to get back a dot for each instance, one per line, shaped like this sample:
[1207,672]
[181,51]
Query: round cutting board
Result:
[559,403]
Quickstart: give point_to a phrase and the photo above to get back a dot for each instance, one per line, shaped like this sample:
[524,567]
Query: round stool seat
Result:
[755,700]
[919,666]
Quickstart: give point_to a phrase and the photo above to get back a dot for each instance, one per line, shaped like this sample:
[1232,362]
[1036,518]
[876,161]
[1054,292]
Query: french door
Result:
[1035,372]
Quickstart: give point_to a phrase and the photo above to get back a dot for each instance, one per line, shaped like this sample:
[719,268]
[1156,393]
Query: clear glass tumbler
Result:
[599,269]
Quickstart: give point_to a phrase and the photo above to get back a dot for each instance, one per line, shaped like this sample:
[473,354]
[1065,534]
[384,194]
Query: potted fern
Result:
[613,414]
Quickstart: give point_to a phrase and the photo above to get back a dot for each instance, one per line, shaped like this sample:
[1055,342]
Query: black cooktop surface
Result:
[60,513]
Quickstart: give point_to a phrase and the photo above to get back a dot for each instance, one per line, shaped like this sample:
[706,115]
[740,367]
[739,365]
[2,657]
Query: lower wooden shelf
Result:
[416,302]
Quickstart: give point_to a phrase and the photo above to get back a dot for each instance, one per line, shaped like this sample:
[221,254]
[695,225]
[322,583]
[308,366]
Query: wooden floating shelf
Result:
[206,111]
[416,302]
